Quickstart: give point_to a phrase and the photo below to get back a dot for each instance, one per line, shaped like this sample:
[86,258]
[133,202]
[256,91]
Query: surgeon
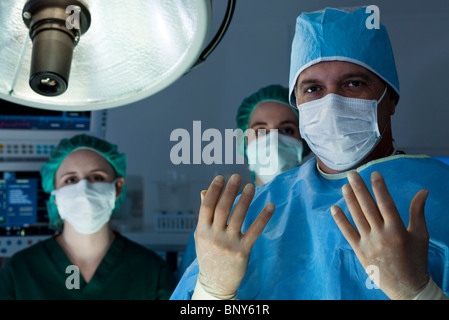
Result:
[262,111]
[86,259]
[331,229]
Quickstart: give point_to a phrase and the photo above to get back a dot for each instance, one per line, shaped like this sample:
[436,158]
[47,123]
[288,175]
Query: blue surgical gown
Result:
[302,253]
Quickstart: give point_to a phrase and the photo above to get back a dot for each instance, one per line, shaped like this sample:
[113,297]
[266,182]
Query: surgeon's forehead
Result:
[330,70]
[84,160]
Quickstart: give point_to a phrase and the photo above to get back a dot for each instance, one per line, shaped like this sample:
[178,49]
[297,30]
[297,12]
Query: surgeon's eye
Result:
[70,180]
[287,131]
[261,131]
[312,89]
[355,83]
[96,178]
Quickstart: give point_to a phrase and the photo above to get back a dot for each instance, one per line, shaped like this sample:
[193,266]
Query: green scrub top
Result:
[127,271]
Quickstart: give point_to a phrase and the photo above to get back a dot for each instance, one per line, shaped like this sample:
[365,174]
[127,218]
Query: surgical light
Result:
[89,54]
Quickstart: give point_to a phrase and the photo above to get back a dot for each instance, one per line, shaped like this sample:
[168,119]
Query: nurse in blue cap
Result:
[328,237]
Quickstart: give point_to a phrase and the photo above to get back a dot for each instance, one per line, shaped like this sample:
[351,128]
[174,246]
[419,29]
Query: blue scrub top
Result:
[302,253]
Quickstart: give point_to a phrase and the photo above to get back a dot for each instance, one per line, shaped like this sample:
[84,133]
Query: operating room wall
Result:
[254,53]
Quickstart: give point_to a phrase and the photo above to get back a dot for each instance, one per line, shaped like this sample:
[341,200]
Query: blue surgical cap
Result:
[340,35]
[67,146]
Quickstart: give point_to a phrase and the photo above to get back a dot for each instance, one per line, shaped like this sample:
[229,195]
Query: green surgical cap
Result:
[65,147]
[273,92]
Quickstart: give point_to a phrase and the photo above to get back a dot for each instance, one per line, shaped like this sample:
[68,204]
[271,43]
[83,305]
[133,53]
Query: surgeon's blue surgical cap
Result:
[67,146]
[340,35]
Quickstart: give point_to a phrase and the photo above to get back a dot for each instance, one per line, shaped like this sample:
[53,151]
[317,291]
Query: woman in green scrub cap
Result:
[265,110]
[86,259]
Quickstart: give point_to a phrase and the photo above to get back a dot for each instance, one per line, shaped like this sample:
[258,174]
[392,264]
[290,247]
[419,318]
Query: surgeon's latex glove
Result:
[222,250]
[382,239]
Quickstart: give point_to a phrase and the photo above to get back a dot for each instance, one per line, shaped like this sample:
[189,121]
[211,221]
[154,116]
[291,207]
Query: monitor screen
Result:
[22,203]
[30,134]
[17,117]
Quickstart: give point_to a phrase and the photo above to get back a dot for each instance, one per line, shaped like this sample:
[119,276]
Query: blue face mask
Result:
[272,154]
[340,131]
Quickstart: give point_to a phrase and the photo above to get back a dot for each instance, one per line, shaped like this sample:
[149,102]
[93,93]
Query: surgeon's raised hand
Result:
[222,250]
[382,239]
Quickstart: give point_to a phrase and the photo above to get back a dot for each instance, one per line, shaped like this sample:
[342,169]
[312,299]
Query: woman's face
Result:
[84,164]
[273,115]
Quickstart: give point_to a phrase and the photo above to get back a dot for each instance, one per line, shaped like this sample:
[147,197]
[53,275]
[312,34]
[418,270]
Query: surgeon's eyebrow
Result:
[258,123]
[363,75]
[289,122]
[368,77]
[70,173]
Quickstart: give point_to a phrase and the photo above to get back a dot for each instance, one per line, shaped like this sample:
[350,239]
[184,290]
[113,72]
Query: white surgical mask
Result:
[86,206]
[272,154]
[341,131]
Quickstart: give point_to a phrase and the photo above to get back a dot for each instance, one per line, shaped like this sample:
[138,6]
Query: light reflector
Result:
[131,50]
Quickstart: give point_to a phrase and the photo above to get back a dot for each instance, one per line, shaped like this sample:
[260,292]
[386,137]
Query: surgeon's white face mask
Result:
[340,131]
[86,206]
[272,154]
